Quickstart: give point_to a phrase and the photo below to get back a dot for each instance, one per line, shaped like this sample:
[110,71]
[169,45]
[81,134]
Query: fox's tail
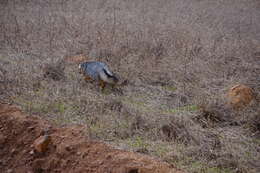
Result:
[115,79]
[111,76]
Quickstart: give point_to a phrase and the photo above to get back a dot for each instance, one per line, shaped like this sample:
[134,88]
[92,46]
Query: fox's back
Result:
[93,69]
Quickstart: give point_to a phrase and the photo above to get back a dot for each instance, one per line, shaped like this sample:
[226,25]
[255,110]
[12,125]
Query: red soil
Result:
[70,150]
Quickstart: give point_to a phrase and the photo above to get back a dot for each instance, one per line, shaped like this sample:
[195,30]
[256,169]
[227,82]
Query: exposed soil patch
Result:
[69,150]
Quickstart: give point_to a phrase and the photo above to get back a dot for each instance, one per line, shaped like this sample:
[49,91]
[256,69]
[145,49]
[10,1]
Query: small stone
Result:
[31,128]
[68,148]
[32,152]
[41,143]
[13,150]
[9,171]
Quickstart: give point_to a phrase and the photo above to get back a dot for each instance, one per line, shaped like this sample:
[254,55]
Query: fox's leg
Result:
[87,78]
[113,85]
[102,84]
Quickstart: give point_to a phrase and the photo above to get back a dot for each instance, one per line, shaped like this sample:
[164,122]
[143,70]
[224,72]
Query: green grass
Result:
[256,141]
[96,128]
[190,165]
[169,88]
[141,105]
[189,108]
[137,103]
[134,101]
[161,149]
[138,143]
[41,106]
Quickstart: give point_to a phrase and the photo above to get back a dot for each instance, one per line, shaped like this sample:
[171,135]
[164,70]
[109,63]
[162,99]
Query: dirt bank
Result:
[69,151]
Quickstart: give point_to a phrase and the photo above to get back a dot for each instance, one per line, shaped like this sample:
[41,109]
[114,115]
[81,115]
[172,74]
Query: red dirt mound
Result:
[240,96]
[69,150]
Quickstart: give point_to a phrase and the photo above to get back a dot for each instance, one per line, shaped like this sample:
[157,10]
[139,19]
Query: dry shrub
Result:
[214,113]
[54,71]
[228,161]
[255,124]
[208,148]
[5,84]
[139,124]
[114,105]
[179,130]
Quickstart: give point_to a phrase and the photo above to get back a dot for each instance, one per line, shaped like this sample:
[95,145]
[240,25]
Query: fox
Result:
[98,71]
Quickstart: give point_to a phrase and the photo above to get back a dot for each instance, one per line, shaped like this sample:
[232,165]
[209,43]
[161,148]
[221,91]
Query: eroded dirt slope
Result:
[69,151]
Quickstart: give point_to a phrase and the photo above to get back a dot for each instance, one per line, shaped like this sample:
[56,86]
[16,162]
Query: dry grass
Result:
[179,58]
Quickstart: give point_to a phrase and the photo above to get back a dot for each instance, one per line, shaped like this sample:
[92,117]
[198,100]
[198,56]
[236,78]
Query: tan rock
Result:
[239,96]
[41,143]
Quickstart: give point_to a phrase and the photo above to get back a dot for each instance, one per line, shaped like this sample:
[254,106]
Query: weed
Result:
[138,143]
[170,88]
[189,108]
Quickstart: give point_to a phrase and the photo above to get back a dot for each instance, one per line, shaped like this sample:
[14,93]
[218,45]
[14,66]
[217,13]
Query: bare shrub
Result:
[255,123]
[214,113]
[54,71]
[179,130]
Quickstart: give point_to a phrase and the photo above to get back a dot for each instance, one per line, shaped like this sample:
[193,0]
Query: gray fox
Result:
[98,71]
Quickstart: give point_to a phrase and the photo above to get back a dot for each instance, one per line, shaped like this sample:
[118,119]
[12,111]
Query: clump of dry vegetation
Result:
[179,58]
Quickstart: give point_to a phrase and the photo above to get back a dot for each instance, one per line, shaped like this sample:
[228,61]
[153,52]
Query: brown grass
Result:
[179,58]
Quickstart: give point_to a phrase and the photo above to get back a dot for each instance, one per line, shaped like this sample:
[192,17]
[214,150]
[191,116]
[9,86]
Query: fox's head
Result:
[81,68]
